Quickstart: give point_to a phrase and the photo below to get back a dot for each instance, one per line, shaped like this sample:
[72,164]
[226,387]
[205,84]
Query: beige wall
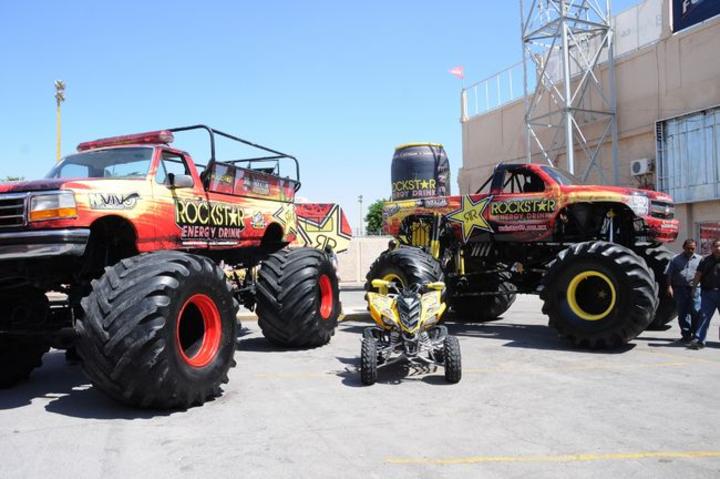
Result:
[676,75]
[354,263]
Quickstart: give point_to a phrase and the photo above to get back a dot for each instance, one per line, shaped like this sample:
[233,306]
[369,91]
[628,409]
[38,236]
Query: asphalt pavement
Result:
[528,405]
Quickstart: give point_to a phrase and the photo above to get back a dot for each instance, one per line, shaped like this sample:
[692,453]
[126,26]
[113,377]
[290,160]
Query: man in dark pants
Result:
[680,274]
[708,277]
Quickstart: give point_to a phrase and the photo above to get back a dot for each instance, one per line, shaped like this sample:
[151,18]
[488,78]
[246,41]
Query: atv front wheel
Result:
[159,330]
[657,258]
[453,359]
[298,300]
[368,361]
[599,294]
[405,265]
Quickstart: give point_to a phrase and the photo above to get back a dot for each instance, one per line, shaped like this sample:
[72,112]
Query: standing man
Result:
[708,277]
[680,274]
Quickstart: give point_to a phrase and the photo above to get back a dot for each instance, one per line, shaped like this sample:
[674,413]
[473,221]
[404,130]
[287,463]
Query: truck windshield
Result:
[561,176]
[131,162]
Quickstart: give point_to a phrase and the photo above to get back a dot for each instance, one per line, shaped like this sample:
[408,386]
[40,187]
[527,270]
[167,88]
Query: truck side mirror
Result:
[179,181]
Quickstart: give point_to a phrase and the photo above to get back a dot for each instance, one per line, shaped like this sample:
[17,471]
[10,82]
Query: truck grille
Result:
[12,210]
[660,209]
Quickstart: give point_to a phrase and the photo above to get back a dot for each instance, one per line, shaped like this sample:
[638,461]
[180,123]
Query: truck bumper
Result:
[661,230]
[43,244]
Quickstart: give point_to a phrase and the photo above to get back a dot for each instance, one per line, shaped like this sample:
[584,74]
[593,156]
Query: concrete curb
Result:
[354,314]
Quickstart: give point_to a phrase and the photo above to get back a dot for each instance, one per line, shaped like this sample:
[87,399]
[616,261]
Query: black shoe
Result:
[695,344]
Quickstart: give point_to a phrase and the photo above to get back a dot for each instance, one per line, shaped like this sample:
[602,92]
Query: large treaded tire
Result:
[635,294]
[298,299]
[407,264]
[657,258]
[485,308]
[159,330]
[20,308]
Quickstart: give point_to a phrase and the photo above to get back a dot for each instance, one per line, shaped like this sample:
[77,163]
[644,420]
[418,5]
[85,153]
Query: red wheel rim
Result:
[326,297]
[198,331]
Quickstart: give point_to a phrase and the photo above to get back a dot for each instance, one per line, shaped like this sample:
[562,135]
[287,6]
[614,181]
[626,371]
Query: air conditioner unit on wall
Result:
[640,167]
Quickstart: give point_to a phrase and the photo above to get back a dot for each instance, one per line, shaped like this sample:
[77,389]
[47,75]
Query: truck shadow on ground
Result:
[512,335]
[69,393]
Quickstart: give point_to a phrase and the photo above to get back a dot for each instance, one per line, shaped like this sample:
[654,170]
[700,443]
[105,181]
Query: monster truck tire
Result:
[405,264]
[368,361]
[21,308]
[599,294]
[485,308]
[453,359]
[657,258]
[159,330]
[298,299]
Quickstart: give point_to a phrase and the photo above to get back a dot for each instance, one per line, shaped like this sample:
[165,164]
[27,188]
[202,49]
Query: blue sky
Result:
[337,84]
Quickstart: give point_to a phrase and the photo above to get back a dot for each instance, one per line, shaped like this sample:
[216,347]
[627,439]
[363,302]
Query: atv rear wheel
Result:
[453,359]
[159,330]
[298,299]
[404,265]
[19,356]
[599,295]
[21,308]
[368,361]
[485,308]
[657,258]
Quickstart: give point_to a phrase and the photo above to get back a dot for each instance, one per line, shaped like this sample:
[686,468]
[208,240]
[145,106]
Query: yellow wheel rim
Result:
[591,295]
[390,277]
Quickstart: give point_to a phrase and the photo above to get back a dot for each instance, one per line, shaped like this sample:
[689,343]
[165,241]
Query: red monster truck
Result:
[140,241]
[592,253]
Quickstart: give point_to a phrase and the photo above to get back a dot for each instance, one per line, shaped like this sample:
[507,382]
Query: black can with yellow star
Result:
[420,170]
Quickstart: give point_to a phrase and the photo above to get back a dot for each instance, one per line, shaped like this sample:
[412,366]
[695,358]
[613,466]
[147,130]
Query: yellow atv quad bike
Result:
[407,328]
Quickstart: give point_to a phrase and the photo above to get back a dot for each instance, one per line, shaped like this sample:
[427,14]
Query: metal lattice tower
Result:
[569,108]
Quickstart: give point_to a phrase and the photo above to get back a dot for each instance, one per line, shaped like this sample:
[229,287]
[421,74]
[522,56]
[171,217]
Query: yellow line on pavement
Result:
[579,367]
[690,358]
[557,458]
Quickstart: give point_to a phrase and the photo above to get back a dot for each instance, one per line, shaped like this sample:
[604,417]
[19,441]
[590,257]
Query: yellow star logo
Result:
[326,231]
[424,184]
[470,216]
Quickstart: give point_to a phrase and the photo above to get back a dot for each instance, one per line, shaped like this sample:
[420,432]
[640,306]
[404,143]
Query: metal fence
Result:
[494,91]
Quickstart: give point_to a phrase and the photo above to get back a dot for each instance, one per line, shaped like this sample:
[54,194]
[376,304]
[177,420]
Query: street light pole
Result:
[59,98]
[360,227]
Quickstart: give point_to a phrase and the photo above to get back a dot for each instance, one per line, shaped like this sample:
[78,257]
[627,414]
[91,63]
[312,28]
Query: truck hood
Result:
[616,190]
[37,185]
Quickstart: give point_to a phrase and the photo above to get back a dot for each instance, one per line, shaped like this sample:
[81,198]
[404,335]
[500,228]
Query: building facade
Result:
[667,73]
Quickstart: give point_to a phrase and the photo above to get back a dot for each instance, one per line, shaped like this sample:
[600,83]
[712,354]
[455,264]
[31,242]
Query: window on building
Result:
[688,156]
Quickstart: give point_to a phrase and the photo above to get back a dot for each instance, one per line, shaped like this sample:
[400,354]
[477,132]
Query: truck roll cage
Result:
[274,158]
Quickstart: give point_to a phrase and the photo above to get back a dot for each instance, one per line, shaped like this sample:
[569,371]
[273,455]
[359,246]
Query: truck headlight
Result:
[52,206]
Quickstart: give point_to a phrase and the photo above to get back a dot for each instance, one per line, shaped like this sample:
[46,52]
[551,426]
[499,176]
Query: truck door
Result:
[183,214]
[523,205]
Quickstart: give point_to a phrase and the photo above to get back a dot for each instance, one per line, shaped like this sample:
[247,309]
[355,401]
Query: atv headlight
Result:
[52,206]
